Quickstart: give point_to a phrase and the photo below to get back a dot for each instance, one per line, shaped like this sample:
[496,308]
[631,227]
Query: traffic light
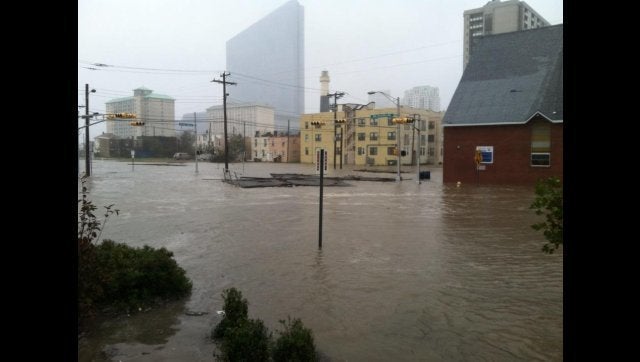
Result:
[137,123]
[403,153]
[317,123]
[121,115]
[341,120]
[403,120]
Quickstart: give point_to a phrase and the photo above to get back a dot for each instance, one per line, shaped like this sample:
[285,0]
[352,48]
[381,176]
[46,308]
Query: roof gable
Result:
[509,78]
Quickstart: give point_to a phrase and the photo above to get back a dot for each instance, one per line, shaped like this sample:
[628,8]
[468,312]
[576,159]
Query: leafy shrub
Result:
[137,277]
[548,201]
[236,311]
[118,276]
[295,343]
[248,341]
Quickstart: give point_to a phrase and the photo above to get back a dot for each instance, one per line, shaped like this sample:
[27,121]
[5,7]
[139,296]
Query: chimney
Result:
[324,91]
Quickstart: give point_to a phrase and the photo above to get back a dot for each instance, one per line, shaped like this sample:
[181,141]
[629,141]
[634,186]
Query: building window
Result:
[389,121]
[362,136]
[306,125]
[306,138]
[373,151]
[432,125]
[265,143]
[406,139]
[432,151]
[361,122]
[422,150]
[391,151]
[541,159]
[541,144]
[431,138]
[373,136]
[391,136]
[423,140]
[318,137]
[374,122]
[360,151]
[306,151]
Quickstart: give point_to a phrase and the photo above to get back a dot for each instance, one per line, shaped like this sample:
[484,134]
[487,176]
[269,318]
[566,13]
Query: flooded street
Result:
[407,272]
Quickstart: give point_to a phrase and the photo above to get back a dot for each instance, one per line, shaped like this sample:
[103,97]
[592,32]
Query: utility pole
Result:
[287,141]
[195,130]
[399,177]
[224,102]
[87,161]
[336,96]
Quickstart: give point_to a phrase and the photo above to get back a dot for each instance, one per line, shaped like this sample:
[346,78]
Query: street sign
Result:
[133,153]
[186,124]
[318,160]
[486,154]
[382,115]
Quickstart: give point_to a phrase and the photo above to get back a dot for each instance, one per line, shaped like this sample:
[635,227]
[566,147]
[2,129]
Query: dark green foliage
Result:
[236,311]
[186,141]
[236,148]
[136,277]
[295,343]
[248,341]
[244,339]
[118,276]
[548,201]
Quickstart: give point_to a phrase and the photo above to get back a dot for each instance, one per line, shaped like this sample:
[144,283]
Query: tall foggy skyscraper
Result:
[267,62]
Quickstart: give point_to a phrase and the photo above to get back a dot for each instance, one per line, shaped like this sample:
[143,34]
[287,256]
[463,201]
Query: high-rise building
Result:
[498,17]
[423,97]
[155,110]
[267,62]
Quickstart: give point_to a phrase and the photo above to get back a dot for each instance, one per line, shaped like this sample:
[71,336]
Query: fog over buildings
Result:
[177,48]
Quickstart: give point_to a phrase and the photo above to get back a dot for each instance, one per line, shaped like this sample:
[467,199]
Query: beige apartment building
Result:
[157,111]
[369,137]
[497,17]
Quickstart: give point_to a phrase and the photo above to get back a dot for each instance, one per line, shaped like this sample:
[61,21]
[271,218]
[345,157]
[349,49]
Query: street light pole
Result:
[397,100]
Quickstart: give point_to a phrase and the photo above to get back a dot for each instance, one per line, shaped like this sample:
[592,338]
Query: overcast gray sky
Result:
[176,47]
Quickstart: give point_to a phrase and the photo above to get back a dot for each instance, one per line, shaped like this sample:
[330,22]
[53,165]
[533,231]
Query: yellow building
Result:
[369,137]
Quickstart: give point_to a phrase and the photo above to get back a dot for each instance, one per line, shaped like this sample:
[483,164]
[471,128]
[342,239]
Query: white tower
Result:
[324,91]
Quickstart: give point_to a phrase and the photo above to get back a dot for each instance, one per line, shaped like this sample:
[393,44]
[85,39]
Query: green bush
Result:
[548,202]
[137,277]
[236,311]
[243,339]
[295,343]
[118,276]
[248,341]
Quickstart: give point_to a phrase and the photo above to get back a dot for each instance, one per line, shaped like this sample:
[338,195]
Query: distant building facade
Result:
[423,97]
[242,118]
[276,148]
[497,17]
[156,110]
[369,137]
[505,121]
[266,61]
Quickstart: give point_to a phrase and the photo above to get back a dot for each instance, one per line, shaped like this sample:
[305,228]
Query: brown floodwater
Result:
[407,272]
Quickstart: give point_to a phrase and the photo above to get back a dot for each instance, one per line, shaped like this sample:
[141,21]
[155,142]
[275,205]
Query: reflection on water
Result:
[407,271]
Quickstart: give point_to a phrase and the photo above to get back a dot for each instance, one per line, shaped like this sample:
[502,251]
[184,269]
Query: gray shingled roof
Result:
[509,78]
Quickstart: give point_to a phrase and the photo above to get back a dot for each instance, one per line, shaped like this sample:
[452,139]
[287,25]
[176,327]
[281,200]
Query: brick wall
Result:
[511,154]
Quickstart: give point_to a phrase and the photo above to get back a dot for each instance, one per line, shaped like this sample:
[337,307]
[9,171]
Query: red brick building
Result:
[505,121]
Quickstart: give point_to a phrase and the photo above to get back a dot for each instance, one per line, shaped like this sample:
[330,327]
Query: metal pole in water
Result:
[321,186]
